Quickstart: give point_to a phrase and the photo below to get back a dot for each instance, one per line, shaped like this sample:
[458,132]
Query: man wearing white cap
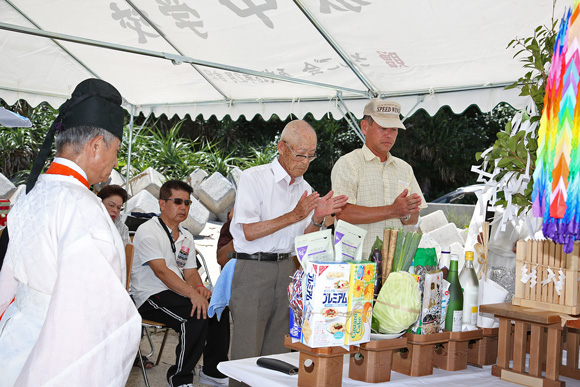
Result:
[382,190]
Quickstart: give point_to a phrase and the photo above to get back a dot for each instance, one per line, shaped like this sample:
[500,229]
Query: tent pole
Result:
[349,117]
[343,55]
[174,58]
[420,99]
[131,141]
[164,37]
[128,175]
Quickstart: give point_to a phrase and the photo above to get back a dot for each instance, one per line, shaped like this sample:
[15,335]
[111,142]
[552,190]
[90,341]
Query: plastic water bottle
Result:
[470,285]
[454,317]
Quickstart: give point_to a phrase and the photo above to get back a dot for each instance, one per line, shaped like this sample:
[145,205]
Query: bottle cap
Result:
[454,257]
[469,255]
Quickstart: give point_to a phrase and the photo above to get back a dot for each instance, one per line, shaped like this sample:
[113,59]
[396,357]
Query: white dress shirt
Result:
[264,193]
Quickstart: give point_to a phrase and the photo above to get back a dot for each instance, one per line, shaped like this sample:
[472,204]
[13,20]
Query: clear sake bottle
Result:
[470,285]
[454,317]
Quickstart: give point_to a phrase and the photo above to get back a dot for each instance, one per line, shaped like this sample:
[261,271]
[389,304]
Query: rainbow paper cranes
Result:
[556,191]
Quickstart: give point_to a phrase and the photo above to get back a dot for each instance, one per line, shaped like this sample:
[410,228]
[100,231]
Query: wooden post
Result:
[536,356]
[520,340]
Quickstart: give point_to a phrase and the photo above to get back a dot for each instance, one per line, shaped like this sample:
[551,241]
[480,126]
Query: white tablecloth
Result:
[247,371]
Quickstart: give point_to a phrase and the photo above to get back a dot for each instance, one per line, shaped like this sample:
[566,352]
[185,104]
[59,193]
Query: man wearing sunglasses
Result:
[167,288]
[274,204]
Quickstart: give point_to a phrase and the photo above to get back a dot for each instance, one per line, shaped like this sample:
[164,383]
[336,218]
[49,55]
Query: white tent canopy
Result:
[247,57]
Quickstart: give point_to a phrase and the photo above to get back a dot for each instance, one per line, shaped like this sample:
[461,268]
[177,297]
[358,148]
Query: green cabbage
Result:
[399,303]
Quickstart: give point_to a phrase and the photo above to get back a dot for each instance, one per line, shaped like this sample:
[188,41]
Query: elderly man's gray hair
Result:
[77,137]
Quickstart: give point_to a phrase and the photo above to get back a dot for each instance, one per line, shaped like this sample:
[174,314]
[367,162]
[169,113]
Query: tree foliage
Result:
[510,151]
[439,148]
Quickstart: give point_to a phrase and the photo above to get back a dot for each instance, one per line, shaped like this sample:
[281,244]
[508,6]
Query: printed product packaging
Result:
[295,299]
[315,246]
[431,305]
[348,241]
[325,289]
[444,302]
[360,301]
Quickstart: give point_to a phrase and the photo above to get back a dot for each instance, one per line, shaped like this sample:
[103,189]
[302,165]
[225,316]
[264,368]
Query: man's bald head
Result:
[296,131]
[297,139]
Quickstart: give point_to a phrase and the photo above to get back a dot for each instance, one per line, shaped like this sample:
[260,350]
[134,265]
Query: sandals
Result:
[146,362]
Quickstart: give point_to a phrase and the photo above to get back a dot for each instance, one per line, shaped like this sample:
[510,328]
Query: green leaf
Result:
[521,150]
[504,162]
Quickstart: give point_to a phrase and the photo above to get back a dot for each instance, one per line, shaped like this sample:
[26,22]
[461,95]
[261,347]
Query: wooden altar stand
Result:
[320,367]
[372,361]
[545,346]
[417,358]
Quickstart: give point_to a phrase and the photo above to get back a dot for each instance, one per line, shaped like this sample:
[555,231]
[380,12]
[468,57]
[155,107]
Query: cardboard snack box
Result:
[326,287]
[360,300]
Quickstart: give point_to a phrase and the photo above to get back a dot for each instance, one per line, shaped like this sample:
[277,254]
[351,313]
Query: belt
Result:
[260,256]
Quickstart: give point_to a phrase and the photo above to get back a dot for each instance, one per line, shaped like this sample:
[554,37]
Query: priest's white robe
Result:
[72,322]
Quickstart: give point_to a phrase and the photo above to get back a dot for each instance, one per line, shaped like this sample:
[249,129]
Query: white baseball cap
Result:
[385,113]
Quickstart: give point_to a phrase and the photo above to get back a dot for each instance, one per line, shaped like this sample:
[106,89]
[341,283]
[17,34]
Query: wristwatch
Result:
[406,217]
[316,224]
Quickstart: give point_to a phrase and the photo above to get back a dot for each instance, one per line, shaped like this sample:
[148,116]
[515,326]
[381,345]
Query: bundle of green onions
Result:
[400,248]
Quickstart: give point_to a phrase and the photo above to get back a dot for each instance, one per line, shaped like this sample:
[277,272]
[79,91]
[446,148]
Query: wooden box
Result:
[483,351]
[319,367]
[452,355]
[372,361]
[545,256]
[417,358]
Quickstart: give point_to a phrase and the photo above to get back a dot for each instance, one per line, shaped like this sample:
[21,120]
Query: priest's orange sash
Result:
[59,169]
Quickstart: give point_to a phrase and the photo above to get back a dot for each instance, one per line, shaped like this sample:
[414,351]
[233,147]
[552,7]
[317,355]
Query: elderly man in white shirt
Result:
[274,204]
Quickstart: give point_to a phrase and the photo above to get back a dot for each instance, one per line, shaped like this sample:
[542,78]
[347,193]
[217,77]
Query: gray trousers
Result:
[260,308]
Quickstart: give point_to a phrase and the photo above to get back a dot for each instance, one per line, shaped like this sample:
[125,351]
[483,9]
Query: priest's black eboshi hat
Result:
[95,103]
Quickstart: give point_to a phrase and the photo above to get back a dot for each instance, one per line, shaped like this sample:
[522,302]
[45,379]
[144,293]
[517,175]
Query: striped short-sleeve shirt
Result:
[368,182]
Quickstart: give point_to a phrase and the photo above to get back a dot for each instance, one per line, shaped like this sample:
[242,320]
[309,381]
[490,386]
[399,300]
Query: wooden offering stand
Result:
[320,367]
[452,355]
[545,345]
[484,351]
[572,347]
[417,358]
[371,362]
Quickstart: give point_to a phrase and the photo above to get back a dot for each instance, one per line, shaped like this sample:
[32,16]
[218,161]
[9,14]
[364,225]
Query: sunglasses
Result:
[180,201]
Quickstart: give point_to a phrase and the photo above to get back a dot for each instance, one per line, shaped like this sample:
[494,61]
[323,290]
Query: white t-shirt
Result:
[264,193]
[152,242]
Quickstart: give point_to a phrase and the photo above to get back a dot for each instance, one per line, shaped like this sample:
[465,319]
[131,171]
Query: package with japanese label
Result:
[360,301]
[315,246]
[295,299]
[431,305]
[325,302]
[348,241]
